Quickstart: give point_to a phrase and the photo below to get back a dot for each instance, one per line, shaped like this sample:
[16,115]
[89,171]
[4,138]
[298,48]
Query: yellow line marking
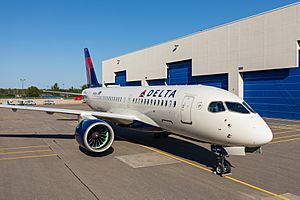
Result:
[277,119]
[278,133]
[176,158]
[24,157]
[282,128]
[287,136]
[27,147]
[19,152]
[279,141]
[285,125]
[206,169]
[257,188]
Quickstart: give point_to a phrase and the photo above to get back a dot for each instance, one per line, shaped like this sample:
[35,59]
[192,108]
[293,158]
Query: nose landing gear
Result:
[223,167]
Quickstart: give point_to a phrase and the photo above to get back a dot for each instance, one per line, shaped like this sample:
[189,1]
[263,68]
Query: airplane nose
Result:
[263,135]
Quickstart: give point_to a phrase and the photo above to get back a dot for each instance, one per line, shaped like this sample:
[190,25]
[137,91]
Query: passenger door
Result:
[186,108]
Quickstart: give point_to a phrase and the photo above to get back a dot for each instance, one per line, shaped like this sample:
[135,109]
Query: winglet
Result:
[90,72]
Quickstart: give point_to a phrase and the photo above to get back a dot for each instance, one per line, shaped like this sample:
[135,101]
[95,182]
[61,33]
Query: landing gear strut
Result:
[157,135]
[161,134]
[223,167]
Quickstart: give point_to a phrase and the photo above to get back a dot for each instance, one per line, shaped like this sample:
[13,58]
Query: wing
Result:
[66,93]
[115,117]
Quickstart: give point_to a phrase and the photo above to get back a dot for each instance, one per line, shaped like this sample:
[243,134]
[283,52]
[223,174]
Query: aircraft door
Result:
[129,99]
[186,108]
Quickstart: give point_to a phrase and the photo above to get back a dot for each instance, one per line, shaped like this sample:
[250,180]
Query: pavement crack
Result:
[79,179]
[74,174]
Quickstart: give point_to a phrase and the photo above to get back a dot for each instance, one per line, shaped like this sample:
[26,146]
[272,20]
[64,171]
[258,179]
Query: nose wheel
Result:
[223,166]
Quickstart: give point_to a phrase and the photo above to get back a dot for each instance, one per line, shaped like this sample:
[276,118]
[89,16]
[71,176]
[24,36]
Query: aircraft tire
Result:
[220,170]
[227,169]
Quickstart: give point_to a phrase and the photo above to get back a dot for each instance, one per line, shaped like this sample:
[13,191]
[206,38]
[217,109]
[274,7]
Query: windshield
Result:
[236,107]
[248,107]
[216,106]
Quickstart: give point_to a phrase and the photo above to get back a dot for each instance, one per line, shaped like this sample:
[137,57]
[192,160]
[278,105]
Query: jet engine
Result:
[94,135]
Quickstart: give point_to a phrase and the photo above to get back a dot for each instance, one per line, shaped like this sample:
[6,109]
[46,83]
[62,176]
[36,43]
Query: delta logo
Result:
[158,93]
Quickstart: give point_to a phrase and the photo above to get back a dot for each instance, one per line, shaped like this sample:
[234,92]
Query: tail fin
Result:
[90,72]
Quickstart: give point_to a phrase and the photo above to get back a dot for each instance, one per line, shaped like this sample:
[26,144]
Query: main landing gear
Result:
[223,167]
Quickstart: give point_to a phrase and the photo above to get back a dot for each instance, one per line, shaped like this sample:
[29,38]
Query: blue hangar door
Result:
[274,93]
[215,80]
[120,78]
[179,72]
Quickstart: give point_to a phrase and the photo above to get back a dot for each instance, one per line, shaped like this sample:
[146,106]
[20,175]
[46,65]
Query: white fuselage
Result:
[184,110]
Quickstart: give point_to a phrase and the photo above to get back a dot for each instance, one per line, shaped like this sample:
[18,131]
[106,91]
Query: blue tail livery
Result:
[90,72]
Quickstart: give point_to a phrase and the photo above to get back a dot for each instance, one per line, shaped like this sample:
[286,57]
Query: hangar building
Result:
[256,58]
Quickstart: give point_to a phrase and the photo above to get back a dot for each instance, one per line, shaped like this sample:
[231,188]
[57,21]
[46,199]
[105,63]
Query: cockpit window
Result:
[236,107]
[216,106]
[248,107]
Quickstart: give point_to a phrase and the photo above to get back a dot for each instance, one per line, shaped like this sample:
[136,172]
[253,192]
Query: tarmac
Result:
[39,159]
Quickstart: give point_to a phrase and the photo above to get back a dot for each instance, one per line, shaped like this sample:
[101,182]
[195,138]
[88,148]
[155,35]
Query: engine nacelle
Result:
[94,135]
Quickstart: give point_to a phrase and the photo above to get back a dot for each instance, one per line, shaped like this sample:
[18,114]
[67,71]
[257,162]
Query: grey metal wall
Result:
[265,41]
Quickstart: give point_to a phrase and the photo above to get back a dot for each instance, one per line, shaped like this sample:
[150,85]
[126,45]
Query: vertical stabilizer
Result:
[90,72]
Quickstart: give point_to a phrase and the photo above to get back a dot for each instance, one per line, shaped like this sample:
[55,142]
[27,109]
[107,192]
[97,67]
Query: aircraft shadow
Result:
[39,135]
[102,154]
[174,146]
[42,136]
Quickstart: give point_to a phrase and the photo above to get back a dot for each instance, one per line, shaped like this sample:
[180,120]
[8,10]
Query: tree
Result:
[33,92]
[85,86]
[55,87]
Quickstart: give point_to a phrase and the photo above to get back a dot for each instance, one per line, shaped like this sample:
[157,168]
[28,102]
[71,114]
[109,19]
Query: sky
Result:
[42,41]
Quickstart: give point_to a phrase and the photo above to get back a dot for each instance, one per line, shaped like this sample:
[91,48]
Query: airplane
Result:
[204,113]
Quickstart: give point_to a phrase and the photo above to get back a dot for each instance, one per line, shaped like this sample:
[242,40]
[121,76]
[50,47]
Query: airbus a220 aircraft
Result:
[205,113]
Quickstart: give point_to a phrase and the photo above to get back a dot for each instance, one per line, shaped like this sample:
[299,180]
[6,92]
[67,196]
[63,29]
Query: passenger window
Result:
[162,102]
[170,103]
[236,107]
[166,103]
[148,101]
[174,104]
[154,102]
[158,101]
[151,102]
[216,106]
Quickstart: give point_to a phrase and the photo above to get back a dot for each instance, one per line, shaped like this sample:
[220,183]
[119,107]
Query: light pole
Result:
[22,81]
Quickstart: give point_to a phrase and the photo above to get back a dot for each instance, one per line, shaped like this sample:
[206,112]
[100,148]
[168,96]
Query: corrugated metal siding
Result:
[133,83]
[274,93]
[157,82]
[179,72]
[218,80]
[120,78]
